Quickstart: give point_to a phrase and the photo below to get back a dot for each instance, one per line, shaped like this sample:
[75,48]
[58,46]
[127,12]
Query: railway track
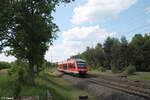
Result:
[132,90]
[126,81]
[119,85]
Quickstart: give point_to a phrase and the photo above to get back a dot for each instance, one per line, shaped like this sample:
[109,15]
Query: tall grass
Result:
[6,89]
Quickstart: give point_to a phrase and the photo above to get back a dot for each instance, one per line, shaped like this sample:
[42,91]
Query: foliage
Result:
[26,27]
[18,76]
[113,69]
[149,68]
[4,65]
[102,69]
[18,73]
[119,53]
[50,64]
[56,86]
[130,69]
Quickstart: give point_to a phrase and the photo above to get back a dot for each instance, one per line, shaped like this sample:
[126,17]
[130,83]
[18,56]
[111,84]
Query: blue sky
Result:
[86,22]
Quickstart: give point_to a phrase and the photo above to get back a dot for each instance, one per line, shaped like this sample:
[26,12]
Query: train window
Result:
[69,65]
[65,66]
[81,65]
[73,65]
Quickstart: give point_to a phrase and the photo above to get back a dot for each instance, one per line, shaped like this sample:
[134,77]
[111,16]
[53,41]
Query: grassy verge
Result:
[59,89]
[137,77]
[66,89]
[6,89]
[103,73]
[140,77]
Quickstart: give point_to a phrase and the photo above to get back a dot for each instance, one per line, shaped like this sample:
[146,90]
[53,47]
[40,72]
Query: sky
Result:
[87,22]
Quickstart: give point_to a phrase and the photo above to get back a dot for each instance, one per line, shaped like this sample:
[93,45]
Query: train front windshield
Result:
[81,65]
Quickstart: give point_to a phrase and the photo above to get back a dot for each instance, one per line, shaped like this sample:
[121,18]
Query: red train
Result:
[74,66]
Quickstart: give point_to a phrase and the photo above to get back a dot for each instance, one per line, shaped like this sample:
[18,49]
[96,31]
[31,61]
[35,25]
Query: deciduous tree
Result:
[26,27]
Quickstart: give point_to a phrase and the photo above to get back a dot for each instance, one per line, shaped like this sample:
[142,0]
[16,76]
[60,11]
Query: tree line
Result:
[19,63]
[119,53]
[4,65]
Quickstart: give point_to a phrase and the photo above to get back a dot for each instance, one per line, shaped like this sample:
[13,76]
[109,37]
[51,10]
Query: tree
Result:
[146,52]
[112,52]
[27,29]
[99,56]
[118,55]
[89,56]
[124,52]
[137,56]
[115,50]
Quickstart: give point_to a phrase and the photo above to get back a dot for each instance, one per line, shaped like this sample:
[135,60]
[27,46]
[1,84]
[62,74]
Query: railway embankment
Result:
[111,87]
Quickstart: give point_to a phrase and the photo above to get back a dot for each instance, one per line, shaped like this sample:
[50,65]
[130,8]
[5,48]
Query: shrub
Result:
[18,76]
[130,70]
[113,69]
[102,69]
[89,68]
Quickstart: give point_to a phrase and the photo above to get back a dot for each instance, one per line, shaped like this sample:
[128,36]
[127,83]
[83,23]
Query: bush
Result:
[89,68]
[18,76]
[113,69]
[130,70]
[102,69]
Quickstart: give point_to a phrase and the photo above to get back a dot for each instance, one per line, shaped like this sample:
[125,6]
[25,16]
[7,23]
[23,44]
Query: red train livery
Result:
[74,66]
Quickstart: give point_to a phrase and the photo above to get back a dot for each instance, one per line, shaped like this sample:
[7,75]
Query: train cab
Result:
[81,66]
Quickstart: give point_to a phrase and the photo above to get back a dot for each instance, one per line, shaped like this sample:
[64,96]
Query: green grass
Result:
[5,86]
[66,89]
[103,73]
[59,89]
[137,77]
[140,77]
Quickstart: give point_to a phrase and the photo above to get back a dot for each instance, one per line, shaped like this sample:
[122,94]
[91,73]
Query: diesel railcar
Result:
[74,66]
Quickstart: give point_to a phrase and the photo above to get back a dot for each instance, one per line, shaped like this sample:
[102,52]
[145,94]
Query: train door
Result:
[68,66]
[65,66]
[72,67]
[62,68]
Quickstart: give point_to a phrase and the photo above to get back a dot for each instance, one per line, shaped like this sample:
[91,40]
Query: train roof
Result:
[72,61]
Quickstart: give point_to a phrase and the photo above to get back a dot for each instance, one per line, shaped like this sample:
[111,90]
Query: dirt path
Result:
[3,71]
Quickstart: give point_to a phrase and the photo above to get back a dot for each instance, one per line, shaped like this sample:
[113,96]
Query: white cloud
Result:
[100,10]
[148,20]
[76,40]
[3,57]
[147,10]
[55,53]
